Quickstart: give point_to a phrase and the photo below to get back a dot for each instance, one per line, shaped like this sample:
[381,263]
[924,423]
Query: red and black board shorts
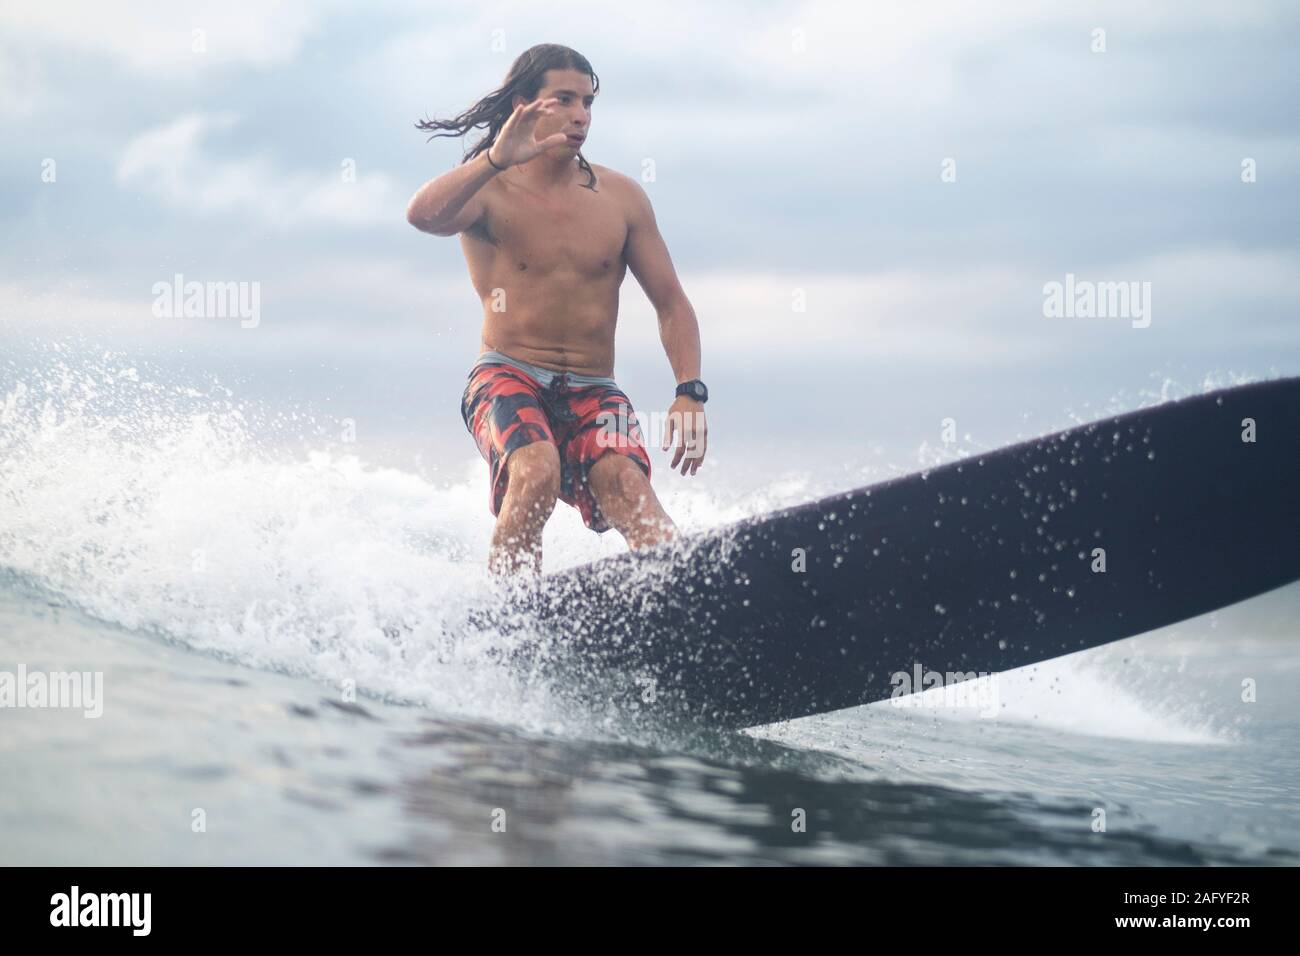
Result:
[506,408]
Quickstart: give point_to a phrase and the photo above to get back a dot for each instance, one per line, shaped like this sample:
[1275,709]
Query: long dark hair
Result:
[524,79]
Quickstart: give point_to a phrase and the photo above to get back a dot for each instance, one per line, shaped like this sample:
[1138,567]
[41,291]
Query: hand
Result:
[686,422]
[517,142]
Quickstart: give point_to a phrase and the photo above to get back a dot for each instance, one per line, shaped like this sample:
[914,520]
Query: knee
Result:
[617,476]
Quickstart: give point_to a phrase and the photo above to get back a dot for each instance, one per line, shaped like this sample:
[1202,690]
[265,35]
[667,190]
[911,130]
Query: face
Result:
[572,111]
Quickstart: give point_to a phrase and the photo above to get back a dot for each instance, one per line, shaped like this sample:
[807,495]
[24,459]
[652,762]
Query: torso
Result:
[548,267]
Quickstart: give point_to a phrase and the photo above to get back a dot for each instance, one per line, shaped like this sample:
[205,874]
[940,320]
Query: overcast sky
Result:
[799,155]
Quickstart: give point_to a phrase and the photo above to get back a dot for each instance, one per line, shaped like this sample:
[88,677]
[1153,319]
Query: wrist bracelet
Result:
[488,152]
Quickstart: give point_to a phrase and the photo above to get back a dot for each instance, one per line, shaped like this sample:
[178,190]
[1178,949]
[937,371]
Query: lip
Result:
[575,138]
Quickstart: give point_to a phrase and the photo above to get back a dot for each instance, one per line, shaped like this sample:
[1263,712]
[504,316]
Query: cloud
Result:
[22,84]
[1202,298]
[358,309]
[158,37]
[341,306]
[777,168]
[65,304]
[171,163]
[914,314]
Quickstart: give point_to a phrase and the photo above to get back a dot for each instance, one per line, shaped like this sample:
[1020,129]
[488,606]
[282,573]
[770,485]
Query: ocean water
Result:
[280,634]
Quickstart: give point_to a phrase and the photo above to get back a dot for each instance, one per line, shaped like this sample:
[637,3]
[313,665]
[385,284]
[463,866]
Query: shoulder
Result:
[626,191]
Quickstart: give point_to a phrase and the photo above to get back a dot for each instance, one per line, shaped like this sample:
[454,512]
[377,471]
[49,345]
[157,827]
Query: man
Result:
[548,239]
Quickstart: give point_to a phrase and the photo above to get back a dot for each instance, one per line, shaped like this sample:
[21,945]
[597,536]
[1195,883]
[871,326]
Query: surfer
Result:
[548,238]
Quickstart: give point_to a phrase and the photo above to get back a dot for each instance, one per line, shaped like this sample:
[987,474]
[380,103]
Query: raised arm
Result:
[453,202]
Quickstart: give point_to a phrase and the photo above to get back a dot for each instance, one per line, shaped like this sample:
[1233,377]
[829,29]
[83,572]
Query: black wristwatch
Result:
[694,389]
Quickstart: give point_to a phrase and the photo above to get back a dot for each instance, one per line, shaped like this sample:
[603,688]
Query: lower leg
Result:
[650,527]
[514,550]
[532,485]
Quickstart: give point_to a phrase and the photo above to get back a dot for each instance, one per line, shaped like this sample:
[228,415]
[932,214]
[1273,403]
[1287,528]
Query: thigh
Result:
[502,408]
[618,476]
[604,423]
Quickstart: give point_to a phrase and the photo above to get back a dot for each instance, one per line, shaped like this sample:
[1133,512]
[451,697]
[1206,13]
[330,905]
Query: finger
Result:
[531,114]
[555,139]
[697,454]
[680,450]
[512,120]
[669,428]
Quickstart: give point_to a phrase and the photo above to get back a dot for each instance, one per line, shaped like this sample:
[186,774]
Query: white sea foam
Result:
[155,508]
[1075,695]
[159,508]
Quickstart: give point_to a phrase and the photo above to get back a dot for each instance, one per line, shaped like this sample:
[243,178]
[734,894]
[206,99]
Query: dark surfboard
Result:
[980,565]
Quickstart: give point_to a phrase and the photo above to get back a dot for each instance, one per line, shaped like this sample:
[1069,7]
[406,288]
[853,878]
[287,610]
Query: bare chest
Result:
[579,231]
